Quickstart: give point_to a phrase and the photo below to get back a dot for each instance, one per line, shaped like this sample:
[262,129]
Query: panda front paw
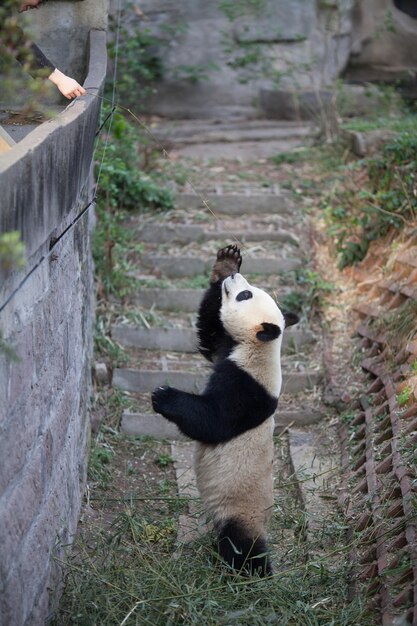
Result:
[228,262]
[162,399]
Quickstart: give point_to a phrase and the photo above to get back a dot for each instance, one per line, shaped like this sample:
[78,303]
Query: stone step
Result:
[185,339]
[192,524]
[154,425]
[181,267]
[238,204]
[242,151]
[143,381]
[184,234]
[314,458]
[238,134]
[185,300]
[185,128]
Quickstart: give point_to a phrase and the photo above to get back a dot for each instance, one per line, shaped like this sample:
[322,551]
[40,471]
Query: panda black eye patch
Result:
[244,295]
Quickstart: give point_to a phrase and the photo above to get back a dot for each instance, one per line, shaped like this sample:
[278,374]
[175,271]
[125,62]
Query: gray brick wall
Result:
[44,397]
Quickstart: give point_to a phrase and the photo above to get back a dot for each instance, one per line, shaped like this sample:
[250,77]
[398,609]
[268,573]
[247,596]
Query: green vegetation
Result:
[401,123]
[12,252]
[295,156]
[137,64]
[373,197]
[164,460]
[309,299]
[404,396]
[133,572]
[123,157]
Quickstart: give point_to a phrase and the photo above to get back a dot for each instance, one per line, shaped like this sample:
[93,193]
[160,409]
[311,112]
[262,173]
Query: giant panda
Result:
[240,329]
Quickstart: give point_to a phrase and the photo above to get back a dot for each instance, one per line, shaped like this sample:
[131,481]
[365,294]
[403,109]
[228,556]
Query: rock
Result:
[101,374]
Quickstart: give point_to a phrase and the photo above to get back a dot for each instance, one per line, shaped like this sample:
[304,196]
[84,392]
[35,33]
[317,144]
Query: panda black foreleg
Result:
[195,415]
[213,341]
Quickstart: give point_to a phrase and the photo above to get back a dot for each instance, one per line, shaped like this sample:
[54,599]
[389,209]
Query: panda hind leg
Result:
[245,554]
[228,262]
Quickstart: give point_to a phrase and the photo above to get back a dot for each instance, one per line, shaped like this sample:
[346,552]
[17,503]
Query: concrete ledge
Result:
[143,381]
[236,204]
[154,425]
[186,300]
[155,233]
[185,339]
[39,207]
[149,425]
[180,267]
[165,339]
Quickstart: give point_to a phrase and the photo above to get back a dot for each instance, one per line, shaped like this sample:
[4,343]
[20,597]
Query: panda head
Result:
[249,315]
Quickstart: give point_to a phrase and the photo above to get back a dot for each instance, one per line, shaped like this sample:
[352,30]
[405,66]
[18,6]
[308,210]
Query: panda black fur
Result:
[240,329]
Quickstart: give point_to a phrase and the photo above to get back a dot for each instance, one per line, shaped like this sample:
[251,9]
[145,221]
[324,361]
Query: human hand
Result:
[66,85]
[29,4]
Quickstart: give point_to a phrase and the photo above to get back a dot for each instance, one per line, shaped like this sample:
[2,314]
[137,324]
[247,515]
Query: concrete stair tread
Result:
[139,381]
[171,299]
[154,425]
[192,126]
[185,339]
[182,300]
[186,266]
[218,134]
[314,457]
[243,151]
[189,233]
[238,203]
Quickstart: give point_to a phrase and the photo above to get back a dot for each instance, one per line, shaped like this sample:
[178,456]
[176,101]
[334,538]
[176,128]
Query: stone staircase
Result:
[231,139]
[167,354]
[179,248]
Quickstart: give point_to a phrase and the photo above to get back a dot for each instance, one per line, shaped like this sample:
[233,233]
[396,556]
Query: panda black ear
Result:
[290,318]
[268,332]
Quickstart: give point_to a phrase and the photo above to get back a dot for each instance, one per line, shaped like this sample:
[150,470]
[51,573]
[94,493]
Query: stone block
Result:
[185,339]
[180,267]
[149,424]
[18,434]
[237,204]
[142,381]
[164,339]
[186,300]
[279,21]
[314,457]
[164,233]
[296,417]
[101,373]
[11,606]
[18,507]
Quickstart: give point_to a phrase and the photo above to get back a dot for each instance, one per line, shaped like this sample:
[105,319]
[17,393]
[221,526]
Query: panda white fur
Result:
[240,328]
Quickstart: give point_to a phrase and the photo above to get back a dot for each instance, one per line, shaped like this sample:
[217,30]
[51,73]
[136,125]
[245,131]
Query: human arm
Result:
[37,64]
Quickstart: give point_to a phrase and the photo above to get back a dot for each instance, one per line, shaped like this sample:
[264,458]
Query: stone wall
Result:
[46,180]
[384,46]
[308,43]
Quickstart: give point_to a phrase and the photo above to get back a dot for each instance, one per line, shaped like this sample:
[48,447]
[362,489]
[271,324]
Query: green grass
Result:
[397,124]
[127,569]
[295,156]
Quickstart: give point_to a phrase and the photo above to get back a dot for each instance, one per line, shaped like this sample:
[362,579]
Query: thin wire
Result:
[113,98]
[72,225]
[165,153]
[45,257]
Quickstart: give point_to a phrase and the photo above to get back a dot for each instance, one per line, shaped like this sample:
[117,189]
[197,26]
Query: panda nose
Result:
[232,276]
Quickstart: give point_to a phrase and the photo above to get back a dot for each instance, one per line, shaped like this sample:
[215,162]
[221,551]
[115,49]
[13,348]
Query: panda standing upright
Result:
[240,330]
